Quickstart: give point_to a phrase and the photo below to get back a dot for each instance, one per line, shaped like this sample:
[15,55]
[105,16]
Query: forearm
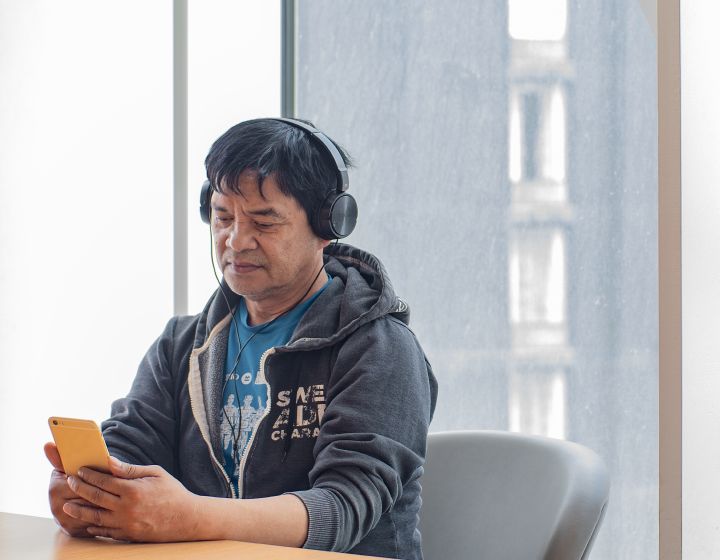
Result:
[279,520]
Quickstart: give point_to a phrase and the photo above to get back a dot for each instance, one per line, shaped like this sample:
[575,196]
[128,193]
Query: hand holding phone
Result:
[80,444]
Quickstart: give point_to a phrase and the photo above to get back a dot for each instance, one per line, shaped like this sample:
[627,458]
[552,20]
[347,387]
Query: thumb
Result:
[128,471]
[52,454]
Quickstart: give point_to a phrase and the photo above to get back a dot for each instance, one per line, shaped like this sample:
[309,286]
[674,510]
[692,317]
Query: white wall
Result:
[701,278]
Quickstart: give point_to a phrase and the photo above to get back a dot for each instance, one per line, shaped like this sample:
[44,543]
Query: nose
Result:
[241,237]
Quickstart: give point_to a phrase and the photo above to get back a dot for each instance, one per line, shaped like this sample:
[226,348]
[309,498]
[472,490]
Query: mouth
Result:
[243,267]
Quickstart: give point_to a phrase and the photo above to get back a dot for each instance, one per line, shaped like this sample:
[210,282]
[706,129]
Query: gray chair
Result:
[505,496]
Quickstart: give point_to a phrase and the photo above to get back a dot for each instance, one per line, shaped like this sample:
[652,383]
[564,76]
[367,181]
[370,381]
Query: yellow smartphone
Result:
[80,443]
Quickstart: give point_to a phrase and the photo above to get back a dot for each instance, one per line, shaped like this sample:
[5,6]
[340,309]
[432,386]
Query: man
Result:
[331,457]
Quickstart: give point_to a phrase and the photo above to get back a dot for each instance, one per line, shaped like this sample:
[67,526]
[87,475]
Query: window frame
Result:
[669,281]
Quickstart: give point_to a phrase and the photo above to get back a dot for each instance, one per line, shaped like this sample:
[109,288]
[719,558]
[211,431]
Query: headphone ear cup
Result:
[205,196]
[337,216]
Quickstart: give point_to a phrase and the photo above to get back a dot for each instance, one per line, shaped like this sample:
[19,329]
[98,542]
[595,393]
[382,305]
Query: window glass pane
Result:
[85,216]
[512,160]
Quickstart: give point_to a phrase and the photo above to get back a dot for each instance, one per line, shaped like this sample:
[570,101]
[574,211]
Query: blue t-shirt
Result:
[245,395]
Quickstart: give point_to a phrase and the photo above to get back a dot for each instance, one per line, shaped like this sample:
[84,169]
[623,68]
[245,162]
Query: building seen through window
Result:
[539,71]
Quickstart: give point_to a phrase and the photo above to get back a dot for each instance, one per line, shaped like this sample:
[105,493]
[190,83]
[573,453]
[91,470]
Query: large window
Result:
[86,196]
[85,224]
[509,149]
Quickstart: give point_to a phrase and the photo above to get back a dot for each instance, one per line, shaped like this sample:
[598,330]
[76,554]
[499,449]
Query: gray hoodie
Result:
[350,398]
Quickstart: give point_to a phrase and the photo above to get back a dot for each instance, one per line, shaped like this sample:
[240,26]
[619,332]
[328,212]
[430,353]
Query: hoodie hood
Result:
[360,292]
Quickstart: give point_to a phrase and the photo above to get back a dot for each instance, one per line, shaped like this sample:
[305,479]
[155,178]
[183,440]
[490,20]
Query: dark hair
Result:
[270,147]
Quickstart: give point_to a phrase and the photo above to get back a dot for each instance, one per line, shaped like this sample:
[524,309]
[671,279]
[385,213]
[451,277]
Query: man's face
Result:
[264,244]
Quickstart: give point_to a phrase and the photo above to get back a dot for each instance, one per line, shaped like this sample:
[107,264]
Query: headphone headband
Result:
[341,172]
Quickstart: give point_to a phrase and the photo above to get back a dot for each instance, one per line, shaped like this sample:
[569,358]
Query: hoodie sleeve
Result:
[381,397]
[141,428]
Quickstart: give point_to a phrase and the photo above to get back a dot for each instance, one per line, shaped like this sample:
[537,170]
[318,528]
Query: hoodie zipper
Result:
[216,463]
[268,404]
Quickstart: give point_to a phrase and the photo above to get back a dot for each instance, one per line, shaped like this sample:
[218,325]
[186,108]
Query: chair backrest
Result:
[506,496]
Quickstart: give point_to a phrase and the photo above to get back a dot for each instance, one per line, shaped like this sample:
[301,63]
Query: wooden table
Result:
[38,538]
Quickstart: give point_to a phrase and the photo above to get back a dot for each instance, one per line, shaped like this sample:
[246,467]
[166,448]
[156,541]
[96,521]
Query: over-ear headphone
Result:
[337,216]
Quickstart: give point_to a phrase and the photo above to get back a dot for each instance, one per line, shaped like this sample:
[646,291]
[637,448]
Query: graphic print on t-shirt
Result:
[237,423]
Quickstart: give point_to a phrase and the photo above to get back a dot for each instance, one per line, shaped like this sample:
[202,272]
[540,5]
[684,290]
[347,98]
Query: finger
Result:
[106,532]
[128,471]
[71,526]
[81,502]
[57,476]
[92,515]
[59,487]
[101,480]
[60,490]
[93,494]
[80,533]
[52,454]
